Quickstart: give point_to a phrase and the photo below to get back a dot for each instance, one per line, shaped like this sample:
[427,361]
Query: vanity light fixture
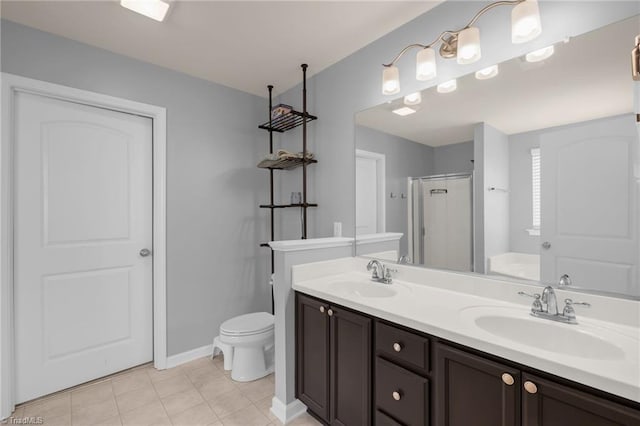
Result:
[540,54]
[403,111]
[487,73]
[447,86]
[463,44]
[413,99]
[154,9]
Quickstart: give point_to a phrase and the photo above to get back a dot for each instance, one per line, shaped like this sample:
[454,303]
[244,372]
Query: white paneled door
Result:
[589,205]
[83,215]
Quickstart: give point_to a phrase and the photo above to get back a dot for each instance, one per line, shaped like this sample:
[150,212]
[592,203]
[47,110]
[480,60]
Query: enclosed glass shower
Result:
[441,221]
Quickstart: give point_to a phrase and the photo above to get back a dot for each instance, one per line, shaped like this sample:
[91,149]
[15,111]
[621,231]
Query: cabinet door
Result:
[350,368]
[545,403]
[474,391]
[312,355]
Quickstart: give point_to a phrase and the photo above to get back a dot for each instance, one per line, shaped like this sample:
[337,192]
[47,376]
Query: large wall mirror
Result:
[532,173]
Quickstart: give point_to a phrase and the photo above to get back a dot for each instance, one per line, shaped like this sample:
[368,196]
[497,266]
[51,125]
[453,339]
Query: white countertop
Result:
[434,308]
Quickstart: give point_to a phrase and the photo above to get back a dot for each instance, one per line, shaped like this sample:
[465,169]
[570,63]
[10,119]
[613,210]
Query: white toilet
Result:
[246,342]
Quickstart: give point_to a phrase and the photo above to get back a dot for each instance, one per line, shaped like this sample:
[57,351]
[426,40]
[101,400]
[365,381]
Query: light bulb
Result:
[413,99]
[487,73]
[540,54]
[525,21]
[426,64]
[447,86]
[469,45]
[390,80]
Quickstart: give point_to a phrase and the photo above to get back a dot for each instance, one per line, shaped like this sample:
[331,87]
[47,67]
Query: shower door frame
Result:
[443,176]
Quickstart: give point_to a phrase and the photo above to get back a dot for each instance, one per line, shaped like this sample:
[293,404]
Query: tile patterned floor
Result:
[197,393]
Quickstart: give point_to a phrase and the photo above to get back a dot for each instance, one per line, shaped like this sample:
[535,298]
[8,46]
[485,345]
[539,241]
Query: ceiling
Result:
[241,44]
[587,78]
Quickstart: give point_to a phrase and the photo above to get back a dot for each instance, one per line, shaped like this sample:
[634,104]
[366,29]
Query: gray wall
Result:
[455,158]
[214,267]
[353,84]
[403,158]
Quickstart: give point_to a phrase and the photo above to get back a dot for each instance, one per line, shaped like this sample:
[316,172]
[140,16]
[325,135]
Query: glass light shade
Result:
[447,86]
[154,9]
[426,64]
[540,54]
[390,80]
[487,73]
[525,22]
[413,99]
[469,46]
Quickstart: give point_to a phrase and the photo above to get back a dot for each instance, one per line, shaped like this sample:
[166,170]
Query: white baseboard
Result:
[184,357]
[287,412]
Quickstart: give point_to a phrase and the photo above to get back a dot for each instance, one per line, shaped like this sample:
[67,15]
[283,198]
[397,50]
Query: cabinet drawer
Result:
[384,420]
[402,346]
[402,394]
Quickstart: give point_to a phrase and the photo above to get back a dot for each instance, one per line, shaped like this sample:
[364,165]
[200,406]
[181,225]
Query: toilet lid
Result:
[254,323]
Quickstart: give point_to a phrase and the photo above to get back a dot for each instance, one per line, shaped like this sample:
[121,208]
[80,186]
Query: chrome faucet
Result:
[380,273]
[549,301]
[403,260]
[546,306]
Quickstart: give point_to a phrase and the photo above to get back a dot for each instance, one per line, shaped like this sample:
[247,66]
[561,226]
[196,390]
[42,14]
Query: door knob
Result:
[530,387]
[397,347]
[145,252]
[396,395]
[546,245]
[322,309]
[330,312]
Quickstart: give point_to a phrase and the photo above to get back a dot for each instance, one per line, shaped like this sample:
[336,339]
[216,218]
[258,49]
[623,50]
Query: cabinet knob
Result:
[396,395]
[508,379]
[322,309]
[530,387]
[330,312]
[397,347]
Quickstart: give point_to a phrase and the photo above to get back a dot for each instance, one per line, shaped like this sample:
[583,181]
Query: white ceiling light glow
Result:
[447,86]
[426,68]
[403,111]
[390,80]
[413,99]
[525,22]
[540,54]
[154,9]
[487,73]
[469,46]
[464,44]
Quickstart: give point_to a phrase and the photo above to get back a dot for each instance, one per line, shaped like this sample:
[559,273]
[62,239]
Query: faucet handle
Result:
[536,306]
[388,278]
[570,302]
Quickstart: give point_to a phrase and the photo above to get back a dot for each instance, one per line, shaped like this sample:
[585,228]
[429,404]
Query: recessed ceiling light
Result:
[154,9]
[540,54]
[404,111]
[413,99]
[447,86]
[487,73]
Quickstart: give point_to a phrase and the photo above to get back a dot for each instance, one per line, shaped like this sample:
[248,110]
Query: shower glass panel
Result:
[441,221]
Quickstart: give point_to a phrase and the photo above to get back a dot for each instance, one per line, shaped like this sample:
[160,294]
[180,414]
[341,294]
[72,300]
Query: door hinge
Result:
[635,60]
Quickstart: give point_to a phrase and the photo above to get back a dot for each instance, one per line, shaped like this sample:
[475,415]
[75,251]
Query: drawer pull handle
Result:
[330,312]
[530,387]
[397,347]
[322,309]
[507,379]
[396,395]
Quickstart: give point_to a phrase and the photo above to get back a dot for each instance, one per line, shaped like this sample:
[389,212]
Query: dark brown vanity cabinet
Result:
[472,390]
[333,362]
[420,380]
[547,403]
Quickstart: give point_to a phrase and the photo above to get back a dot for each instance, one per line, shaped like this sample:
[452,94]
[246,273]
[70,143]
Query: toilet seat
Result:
[248,324]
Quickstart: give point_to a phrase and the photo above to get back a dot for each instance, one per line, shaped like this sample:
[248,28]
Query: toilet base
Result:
[247,362]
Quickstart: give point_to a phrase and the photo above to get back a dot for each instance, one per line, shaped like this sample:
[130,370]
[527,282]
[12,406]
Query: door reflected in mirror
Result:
[530,172]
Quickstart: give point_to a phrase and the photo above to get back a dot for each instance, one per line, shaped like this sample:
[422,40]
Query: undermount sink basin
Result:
[363,289]
[568,339]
